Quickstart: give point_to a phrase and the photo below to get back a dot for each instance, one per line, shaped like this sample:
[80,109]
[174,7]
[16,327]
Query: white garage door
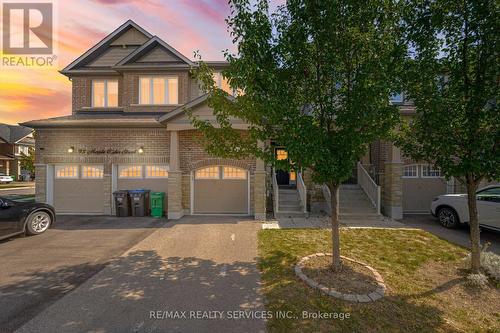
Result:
[221,190]
[79,189]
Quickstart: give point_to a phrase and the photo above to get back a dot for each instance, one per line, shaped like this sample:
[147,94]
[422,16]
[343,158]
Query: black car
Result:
[17,217]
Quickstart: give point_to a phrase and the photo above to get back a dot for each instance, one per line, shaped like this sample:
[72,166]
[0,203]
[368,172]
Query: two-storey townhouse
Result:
[14,142]
[128,129]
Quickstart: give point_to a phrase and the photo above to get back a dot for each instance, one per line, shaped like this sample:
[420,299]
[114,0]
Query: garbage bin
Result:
[122,206]
[157,204]
[139,202]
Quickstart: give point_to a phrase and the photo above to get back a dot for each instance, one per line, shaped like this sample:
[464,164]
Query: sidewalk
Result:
[323,221]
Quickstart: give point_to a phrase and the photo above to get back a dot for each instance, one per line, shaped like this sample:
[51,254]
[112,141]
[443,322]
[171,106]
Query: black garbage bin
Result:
[138,204]
[122,206]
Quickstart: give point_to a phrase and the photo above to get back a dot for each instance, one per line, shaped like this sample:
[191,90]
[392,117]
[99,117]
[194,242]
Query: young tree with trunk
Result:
[452,75]
[315,77]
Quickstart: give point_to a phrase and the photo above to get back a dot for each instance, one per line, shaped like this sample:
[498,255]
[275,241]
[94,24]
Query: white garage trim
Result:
[49,188]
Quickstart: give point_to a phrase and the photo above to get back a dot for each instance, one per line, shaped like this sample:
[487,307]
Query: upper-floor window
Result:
[396,98]
[22,150]
[222,83]
[104,93]
[158,90]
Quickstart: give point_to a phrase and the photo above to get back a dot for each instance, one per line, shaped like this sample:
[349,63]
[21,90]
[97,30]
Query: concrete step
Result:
[290,208]
[355,216]
[289,214]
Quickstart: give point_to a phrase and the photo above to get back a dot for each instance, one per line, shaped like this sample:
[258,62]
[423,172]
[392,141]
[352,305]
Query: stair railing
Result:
[328,197]
[301,187]
[276,192]
[371,189]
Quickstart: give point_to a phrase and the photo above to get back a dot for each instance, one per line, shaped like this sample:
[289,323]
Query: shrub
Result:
[490,263]
[476,280]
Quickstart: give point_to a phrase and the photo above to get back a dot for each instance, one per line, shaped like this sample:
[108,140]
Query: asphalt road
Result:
[458,236]
[37,271]
[204,264]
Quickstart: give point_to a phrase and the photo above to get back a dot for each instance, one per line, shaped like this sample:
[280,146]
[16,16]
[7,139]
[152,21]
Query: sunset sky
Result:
[28,93]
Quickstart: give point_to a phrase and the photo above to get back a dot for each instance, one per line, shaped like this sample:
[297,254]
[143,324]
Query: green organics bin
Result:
[157,200]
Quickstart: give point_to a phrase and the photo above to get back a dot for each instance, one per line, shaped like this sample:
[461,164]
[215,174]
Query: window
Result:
[396,98]
[66,171]
[156,171]
[410,171]
[22,150]
[207,173]
[490,194]
[281,154]
[104,93]
[92,171]
[130,171]
[428,171]
[158,90]
[222,83]
[233,173]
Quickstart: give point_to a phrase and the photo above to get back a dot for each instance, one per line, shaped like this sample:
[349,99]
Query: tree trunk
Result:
[334,191]
[475,243]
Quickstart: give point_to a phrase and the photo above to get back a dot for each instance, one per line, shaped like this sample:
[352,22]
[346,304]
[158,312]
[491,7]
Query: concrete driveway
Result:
[198,274]
[37,271]
[458,236]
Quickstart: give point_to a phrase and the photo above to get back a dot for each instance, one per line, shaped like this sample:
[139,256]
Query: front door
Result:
[282,176]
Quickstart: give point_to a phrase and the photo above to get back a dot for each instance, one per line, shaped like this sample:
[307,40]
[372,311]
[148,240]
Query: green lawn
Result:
[422,272]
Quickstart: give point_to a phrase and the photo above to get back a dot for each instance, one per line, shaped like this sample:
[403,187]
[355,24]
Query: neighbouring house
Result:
[128,129]
[14,141]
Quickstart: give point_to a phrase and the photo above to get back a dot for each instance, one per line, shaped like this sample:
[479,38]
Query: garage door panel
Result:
[419,192]
[79,196]
[220,196]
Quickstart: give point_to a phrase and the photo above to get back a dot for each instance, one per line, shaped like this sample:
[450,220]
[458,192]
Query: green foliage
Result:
[315,77]
[452,75]
[28,161]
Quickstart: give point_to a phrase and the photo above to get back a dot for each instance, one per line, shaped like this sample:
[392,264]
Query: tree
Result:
[453,76]
[317,77]
[28,161]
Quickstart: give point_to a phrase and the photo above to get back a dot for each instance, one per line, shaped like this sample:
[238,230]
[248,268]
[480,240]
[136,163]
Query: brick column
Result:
[392,199]
[174,196]
[260,189]
[40,182]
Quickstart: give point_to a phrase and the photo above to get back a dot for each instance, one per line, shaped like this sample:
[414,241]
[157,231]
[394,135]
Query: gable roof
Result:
[181,109]
[13,133]
[103,45]
[150,46]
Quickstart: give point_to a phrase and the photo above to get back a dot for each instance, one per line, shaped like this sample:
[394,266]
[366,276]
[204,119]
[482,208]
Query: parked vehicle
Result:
[452,209]
[5,179]
[18,217]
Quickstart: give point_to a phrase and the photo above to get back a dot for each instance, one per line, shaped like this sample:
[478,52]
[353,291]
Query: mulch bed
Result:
[352,279]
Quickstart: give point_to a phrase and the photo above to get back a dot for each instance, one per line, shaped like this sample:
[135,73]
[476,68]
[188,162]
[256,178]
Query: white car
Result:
[452,209]
[5,179]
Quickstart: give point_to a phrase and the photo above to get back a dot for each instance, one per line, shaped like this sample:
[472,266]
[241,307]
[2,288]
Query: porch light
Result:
[140,150]
[71,149]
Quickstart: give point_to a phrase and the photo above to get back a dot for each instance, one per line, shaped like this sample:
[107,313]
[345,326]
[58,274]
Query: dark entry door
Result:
[282,176]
